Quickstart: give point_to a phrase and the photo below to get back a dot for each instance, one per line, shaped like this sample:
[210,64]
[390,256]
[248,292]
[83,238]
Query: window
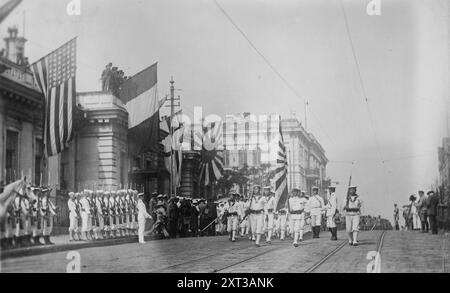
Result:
[12,156]
[39,154]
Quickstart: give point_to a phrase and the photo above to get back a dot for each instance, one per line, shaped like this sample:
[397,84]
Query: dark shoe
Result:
[295,244]
[36,241]
[47,240]
[26,240]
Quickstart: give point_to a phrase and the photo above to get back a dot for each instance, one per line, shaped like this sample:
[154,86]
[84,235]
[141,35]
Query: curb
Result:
[39,250]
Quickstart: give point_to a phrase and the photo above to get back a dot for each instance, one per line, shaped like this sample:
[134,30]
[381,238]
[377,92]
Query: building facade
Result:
[21,116]
[252,140]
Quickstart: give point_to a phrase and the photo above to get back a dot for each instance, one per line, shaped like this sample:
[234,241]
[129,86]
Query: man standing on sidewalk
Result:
[432,203]
[73,222]
[423,211]
[396,217]
[85,213]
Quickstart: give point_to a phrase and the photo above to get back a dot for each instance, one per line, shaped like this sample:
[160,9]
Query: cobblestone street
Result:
[217,254]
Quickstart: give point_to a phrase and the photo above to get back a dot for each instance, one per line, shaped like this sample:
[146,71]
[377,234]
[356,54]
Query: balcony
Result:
[312,173]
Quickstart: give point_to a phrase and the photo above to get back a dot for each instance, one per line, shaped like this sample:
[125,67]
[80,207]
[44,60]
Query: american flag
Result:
[281,192]
[55,75]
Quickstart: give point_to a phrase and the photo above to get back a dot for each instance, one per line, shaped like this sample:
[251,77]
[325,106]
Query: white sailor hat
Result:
[315,188]
[99,191]
[430,191]
[352,187]
[71,193]
[160,196]
[267,187]
[295,189]
[140,194]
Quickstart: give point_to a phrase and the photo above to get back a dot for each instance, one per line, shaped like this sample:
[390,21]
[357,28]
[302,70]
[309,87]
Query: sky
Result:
[402,56]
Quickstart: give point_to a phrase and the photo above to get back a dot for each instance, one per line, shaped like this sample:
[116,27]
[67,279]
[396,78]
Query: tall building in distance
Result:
[252,140]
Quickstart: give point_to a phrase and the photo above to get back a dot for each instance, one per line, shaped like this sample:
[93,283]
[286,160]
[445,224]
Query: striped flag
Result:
[173,146]
[140,96]
[55,76]
[281,192]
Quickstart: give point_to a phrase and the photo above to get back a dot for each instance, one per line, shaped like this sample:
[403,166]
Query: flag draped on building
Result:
[139,94]
[281,192]
[55,76]
[211,166]
[173,146]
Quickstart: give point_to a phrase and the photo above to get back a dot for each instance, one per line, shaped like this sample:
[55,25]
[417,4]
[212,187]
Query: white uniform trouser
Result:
[36,227]
[283,219]
[141,229]
[112,226]
[84,222]
[416,221]
[268,222]
[316,220]
[291,224]
[73,222]
[298,222]
[330,222]
[257,223]
[21,231]
[352,223]
[47,225]
[101,223]
[232,223]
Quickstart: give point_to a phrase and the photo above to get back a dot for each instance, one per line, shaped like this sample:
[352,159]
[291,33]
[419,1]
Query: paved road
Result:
[401,252]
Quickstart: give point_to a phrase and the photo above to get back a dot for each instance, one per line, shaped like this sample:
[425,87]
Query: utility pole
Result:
[306,119]
[172,112]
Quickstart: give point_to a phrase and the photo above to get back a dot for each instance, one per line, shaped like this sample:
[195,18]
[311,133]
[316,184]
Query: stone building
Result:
[252,140]
[21,115]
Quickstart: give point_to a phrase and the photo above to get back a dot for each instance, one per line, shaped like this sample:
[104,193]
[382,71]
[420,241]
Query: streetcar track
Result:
[342,245]
[326,257]
[242,261]
[199,259]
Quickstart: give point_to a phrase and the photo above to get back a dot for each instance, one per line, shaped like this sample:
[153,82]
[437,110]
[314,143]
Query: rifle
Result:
[348,192]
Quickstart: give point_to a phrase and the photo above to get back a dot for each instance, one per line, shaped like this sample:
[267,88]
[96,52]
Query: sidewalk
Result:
[61,243]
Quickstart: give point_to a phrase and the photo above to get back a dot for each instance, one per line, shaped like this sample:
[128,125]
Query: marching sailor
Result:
[142,216]
[257,203]
[331,211]
[73,214]
[297,207]
[316,206]
[231,211]
[269,209]
[352,213]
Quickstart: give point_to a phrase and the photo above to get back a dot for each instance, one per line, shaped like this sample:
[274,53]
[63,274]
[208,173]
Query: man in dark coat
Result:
[194,218]
[432,204]
[173,217]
